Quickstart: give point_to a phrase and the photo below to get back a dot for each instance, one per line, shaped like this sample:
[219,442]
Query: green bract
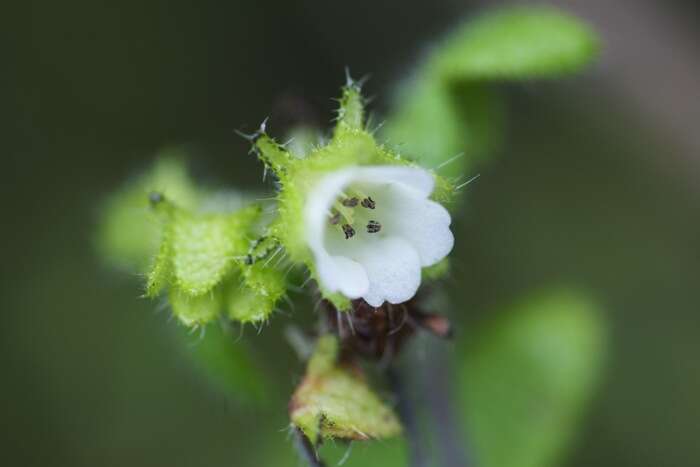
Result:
[351,145]
[334,401]
[198,250]
[260,288]
[206,261]
[129,231]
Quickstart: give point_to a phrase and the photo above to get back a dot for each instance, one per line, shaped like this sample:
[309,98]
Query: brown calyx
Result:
[380,333]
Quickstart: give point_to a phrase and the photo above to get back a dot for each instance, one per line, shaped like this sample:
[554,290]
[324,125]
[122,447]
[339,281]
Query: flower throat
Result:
[349,209]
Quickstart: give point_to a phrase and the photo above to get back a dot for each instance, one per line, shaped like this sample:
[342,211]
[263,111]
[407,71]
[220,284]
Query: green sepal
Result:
[253,299]
[161,272]
[303,140]
[262,249]
[335,402]
[351,114]
[198,250]
[196,310]
[339,301]
[272,154]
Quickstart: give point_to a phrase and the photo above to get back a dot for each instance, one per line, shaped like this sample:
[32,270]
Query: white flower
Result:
[371,230]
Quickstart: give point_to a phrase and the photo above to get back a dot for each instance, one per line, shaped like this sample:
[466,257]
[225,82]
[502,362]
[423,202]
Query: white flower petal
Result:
[338,273]
[318,204]
[393,269]
[418,179]
[425,224]
[385,265]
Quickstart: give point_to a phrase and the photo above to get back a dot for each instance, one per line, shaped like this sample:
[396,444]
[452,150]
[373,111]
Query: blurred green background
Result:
[596,186]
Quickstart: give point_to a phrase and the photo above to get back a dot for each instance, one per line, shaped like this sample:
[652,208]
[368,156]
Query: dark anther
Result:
[155,197]
[368,203]
[373,227]
[348,231]
[335,218]
[350,202]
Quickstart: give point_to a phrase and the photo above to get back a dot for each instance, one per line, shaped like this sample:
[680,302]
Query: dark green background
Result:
[588,189]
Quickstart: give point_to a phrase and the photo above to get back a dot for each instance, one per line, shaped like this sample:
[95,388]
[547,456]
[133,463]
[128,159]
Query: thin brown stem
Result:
[305,449]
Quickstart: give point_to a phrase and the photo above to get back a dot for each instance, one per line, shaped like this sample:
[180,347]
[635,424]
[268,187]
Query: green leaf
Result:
[527,378]
[129,232]
[521,42]
[446,128]
[226,362]
[450,107]
[335,401]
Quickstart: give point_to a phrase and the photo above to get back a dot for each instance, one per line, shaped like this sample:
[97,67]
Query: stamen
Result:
[350,202]
[368,203]
[348,231]
[373,227]
[346,213]
[335,218]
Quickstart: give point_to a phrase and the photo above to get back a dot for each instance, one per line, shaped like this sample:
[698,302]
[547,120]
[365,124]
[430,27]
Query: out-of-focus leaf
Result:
[335,401]
[387,453]
[129,232]
[449,107]
[226,362]
[526,379]
[521,42]
[444,127]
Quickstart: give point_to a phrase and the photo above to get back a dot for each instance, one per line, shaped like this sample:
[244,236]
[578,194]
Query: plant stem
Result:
[453,450]
[407,414]
[305,449]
